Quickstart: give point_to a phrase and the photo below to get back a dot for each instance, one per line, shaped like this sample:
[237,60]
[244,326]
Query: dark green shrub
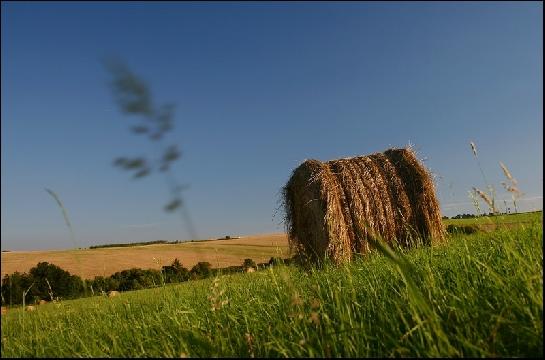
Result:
[230,269]
[201,270]
[136,279]
[462,229]
[276,261]
[49,278]
[44,280]
[248,263]
[104,284]
[175,272]
[13,287]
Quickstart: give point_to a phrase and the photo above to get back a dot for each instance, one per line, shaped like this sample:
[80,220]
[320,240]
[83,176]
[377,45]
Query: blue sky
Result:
[259,87]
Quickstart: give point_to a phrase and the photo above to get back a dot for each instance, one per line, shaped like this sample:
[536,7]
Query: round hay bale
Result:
[42,302]
[30,308]
[113,293]
[4,310]
[314,214]
[337,208]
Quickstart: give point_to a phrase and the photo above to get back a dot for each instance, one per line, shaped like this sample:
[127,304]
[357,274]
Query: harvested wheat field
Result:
[89,263]
[337,208]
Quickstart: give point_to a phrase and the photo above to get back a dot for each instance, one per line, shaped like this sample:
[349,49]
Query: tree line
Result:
[49,282]
[134,244]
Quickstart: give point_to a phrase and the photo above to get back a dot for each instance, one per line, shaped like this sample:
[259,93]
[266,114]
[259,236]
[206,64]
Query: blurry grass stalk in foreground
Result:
[50,290]
[422,309]
[489,200]
[26,292]
[133,97]
[511,188]
[475,201]
[77,246]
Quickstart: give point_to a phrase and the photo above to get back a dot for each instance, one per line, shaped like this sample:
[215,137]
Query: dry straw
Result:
[486,199]
[337,208]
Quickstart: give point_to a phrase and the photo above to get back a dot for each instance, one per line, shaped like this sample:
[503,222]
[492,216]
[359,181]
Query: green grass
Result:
[478,295]
[520,218]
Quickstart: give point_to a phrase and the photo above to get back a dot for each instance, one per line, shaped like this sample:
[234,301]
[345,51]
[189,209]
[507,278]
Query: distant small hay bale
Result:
[250,270]
[30,308]
[336,208]
[42,302]
[4,310]
[112,294]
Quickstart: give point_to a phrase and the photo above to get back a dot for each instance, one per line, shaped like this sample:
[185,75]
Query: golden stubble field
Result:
[89,263]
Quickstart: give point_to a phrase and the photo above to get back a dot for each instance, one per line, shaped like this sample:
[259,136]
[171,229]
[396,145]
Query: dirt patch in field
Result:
[89,263]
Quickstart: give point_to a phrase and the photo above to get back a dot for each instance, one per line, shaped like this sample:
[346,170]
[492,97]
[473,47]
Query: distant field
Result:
[489,223]
[89,263]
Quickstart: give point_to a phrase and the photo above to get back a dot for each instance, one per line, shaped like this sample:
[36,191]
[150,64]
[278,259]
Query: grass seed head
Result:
[485,198]
[473,148]
[507,173]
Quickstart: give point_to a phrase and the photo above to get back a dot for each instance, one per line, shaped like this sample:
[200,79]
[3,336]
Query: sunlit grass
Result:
[520,218]
[477,295]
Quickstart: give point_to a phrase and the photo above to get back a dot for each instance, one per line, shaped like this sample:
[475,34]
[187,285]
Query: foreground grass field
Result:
[477,295]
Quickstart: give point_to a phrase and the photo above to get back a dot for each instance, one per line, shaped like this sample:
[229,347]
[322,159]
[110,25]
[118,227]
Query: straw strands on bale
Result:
[337,208]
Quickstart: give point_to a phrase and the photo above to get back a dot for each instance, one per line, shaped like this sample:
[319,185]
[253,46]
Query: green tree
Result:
[175,272]
[50,278]
[201,270]
[13,287]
